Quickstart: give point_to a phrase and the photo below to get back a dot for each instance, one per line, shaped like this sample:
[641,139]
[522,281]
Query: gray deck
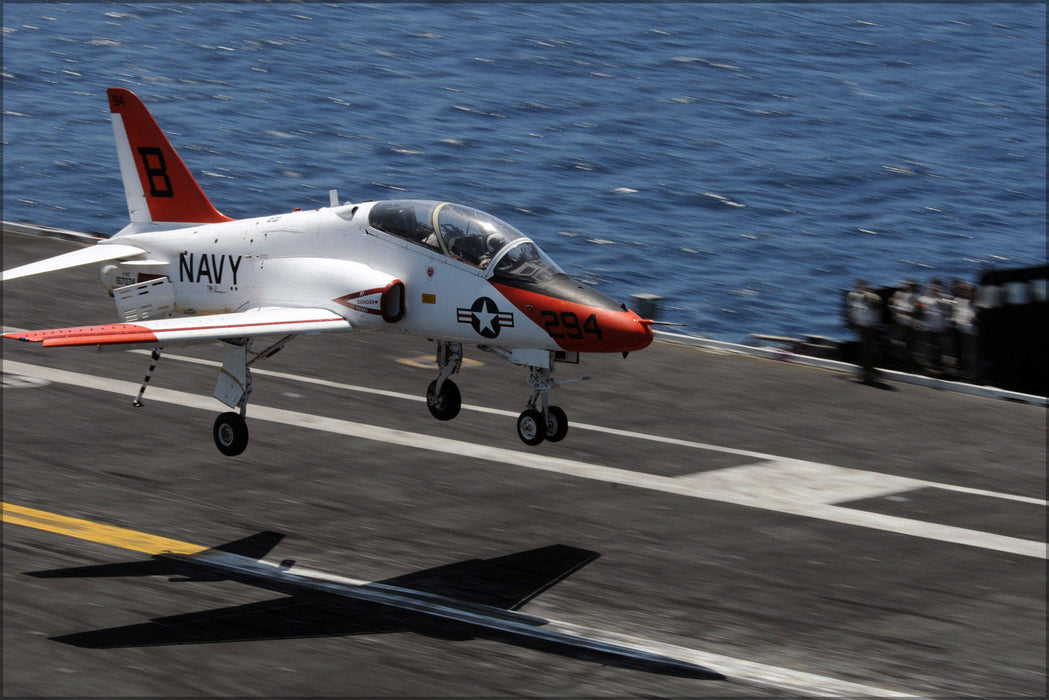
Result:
[785,525]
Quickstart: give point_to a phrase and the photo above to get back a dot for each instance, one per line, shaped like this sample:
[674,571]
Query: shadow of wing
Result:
[503,582]
[280,618]
[148,567]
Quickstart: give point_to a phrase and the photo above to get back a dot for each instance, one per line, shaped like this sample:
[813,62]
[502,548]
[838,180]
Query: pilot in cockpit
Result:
[493,245]
[467,248]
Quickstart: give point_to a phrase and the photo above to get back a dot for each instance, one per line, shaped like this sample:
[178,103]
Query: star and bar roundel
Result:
[486,318]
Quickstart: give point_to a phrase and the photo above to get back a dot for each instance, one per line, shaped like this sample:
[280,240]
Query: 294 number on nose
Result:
[567,325]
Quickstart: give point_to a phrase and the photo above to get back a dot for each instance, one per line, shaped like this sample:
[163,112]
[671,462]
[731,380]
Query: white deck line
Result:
[737,670]
[880,484]
[537,461]
[886,484]
[744,671]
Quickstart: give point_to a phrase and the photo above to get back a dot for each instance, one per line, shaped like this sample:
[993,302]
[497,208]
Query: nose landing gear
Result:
[541,421]
[556,424]
[533,428]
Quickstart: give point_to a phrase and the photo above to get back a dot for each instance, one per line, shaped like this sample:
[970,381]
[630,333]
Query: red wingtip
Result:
[87,335]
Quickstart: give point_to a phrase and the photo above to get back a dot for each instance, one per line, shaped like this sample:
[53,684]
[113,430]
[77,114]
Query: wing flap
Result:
[241,324]
[85,256]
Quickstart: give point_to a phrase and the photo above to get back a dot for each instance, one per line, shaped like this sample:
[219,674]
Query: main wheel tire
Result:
[446,405]
[231,434]
[531,427]
[556,424]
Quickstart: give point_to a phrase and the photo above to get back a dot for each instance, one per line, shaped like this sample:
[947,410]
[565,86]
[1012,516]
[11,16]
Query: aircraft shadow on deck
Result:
[476,598]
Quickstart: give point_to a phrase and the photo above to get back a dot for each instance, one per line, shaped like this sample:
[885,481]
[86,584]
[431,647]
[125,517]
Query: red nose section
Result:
[581,327]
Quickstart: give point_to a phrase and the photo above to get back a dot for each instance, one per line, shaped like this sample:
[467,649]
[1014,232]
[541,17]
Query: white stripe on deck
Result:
[737,670]
[743,671]
[693,486]
[878,484]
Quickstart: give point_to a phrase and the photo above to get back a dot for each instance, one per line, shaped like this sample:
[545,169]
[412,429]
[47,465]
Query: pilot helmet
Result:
[495,242]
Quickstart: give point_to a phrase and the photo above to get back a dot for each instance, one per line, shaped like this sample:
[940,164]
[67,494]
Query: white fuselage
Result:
[315,259]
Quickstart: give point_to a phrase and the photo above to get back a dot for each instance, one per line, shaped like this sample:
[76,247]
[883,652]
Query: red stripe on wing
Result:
[124,333]
[88,335]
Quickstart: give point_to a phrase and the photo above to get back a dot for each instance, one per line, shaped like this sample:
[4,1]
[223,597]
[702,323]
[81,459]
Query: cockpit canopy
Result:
[465,234]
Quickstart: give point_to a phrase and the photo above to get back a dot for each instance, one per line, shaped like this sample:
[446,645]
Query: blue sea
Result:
[744,161]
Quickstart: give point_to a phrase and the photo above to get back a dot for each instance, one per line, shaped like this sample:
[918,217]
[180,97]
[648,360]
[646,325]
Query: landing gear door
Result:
[566,356]
[232,382]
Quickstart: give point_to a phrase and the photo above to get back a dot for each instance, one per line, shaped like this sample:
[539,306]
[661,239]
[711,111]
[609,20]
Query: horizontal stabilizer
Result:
[241,324]
[84,256]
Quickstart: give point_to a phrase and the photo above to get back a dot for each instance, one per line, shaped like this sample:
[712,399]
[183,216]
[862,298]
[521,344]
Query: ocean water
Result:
[746,162]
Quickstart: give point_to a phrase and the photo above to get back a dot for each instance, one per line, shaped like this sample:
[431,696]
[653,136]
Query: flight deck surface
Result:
[787,526]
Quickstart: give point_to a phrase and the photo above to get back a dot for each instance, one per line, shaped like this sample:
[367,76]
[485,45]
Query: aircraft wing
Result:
[85,256]
[242,324]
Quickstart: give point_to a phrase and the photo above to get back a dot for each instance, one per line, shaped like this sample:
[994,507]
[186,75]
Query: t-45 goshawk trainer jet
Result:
[181,272]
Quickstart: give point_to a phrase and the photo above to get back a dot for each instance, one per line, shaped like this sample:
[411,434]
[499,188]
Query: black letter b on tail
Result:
[157,172]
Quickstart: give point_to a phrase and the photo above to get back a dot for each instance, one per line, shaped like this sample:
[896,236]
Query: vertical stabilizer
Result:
[158,185]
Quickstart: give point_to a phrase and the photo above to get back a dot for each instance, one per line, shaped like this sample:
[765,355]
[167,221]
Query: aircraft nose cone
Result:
[579,318]
[624,331]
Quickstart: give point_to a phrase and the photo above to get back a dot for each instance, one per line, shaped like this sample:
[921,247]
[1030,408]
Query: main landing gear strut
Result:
[539,421]
[233,389]
[442,396]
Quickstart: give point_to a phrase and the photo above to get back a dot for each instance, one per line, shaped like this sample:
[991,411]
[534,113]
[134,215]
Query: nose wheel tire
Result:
[556,424]
[531,427]
[445,405]
[231,434]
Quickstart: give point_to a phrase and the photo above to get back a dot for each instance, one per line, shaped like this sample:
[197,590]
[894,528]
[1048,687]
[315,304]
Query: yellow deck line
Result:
[770,676]
[95,532]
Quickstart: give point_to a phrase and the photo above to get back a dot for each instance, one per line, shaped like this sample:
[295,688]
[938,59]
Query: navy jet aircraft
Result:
[182,272]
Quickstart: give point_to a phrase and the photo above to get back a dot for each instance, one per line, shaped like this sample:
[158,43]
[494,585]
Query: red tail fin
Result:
[158,185]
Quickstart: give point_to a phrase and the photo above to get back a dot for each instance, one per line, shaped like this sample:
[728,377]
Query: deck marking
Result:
[737,670]
[742,670]
[95,532]
[881,484]
[538,461]
[797,481]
